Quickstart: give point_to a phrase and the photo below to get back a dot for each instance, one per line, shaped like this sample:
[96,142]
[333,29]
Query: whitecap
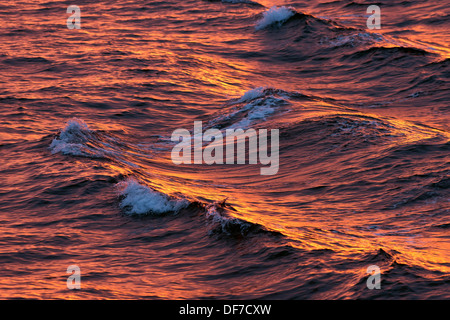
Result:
[252,94]
[72,139]
[275,15]
[141,199]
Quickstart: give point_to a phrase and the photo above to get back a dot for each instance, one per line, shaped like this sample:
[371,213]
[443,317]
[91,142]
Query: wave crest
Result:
[275,15]
[73,138]
[139,199]
[255,106]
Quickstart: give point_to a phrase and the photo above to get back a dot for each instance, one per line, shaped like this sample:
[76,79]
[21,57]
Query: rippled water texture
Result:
[87,177]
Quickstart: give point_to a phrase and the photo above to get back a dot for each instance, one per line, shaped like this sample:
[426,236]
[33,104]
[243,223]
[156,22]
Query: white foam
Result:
[275,15]
[72,138]
[252,94]
[260,103]
[73,128]
[140,199]
[259,110]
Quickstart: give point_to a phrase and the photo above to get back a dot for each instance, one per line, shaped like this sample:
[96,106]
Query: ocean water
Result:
[87,178]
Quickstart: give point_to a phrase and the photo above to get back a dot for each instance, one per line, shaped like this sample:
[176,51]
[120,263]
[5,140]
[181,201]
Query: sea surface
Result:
[87,179]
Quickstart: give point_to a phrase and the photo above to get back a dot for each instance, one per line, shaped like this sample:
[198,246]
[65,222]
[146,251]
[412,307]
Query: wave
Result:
[73,139]
[255,106]
[137,199]
[77,139]
[339,134]
[353,39]
[389,52]
[279,16]
[307,34]
[275,15]
[252,94]
[219,221]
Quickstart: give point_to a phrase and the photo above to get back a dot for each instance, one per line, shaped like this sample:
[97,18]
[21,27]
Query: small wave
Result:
[380,255]
[138,199]
[72,140]
[220,221]
[389,52]
[275,15]
[252,94]
[77,139]
[353,40]
[305,23]
[254,106]
[218,218]
[363,126]
[341,127]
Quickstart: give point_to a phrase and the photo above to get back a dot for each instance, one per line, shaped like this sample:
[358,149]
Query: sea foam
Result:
[252,94]
[141,199]
[255,106]
[72,139]
[275,15]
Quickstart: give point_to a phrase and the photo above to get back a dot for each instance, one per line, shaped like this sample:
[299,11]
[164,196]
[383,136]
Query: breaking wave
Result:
[139,199]
[275,16]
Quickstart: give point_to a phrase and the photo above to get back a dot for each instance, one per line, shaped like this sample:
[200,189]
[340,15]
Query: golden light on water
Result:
[363,127]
